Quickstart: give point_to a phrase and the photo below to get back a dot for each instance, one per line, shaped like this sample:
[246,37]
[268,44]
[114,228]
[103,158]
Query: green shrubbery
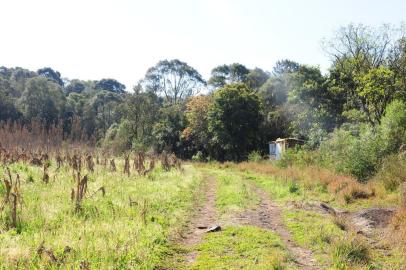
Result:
[362,151]
[255,156]
[392,172]
[356,155]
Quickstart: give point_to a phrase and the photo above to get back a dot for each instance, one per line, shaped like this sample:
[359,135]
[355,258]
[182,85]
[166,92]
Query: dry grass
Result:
[348,189]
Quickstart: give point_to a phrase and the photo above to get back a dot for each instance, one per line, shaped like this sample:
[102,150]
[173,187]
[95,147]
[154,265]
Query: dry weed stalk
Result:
[59,161]
[165,162]
[90,163]
[45,176]
[81,189]
[42,250]
[403,196]
[127,165]
[139,163]
[151,166]
[144,211]
[12,198]
[113,165]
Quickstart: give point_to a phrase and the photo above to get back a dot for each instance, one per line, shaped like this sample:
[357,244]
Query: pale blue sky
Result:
[92,39]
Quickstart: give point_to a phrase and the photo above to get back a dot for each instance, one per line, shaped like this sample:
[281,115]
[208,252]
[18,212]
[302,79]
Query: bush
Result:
[198,157]
[293,187]
[118,138]
[298,156]
[254,156]
[348,154]
[393,127]
[392,172]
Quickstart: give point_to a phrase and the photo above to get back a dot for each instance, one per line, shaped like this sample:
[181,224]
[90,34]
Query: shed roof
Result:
[287,139]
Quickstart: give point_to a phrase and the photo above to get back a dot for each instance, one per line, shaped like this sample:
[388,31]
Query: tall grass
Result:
[128,228]
[347,188]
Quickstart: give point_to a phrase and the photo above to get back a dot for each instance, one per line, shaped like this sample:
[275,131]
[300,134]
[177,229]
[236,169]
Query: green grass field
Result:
[137,224]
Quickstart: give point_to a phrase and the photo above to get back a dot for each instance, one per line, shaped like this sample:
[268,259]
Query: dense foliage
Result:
[354,113]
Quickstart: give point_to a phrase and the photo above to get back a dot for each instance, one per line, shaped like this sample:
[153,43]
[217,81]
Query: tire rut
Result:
[269,216]
[203,218]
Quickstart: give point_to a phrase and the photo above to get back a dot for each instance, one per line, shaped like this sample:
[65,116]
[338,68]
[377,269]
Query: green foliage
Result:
[174,80]
[118,138]
[377,89]
[42,99]
[393,127]
[255,156]
[350,154]
[228,74]
[392,172]
[167,131]
[198,157]
[234,120]
[294,187]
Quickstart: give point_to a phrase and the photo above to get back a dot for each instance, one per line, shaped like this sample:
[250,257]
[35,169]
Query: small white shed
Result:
[278,147]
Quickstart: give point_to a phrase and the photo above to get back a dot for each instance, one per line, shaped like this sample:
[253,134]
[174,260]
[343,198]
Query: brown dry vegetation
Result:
[346,188]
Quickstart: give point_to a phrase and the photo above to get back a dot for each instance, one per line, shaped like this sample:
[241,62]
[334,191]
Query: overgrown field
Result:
[138,212]
[122,221]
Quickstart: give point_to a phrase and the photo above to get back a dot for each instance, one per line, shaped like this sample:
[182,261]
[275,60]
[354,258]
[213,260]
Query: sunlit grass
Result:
[242,248]
[107,232]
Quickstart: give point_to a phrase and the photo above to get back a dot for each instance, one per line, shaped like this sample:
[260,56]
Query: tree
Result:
[196,132]
[256,78]
[42,99]
[284,67]
[363,58]
[226,74]
[167,131]
[376,89]
[233,122]
[49,73]
[174,80]
[393,127]
[103,109]
[7,109]
[313,106]
[141,111]
[75,86]
[110,85]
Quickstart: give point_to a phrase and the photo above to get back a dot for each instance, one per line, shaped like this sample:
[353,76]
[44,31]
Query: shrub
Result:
[352,155]
[198,157]
[393,127]
[293,187]
[254,156]
[392,172]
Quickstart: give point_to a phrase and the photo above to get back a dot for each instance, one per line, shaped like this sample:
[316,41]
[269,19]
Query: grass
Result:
[316,184]
[313,231]
[234,193]
[108,232]
[242,248]
[134,224]
[351,253]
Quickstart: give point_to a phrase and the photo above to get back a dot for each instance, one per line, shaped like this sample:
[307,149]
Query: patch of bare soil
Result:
[364,221]
[203,218]
[268,215]
[373,217]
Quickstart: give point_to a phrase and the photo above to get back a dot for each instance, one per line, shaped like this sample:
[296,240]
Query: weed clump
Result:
[349,252]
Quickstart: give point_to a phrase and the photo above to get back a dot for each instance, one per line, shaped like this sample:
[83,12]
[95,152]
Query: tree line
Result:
[237,111]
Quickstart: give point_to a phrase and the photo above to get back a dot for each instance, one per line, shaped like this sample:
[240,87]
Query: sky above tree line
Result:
[121,39]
